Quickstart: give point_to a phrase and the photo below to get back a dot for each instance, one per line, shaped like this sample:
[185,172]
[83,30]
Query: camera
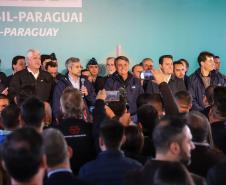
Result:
[146,75]
[112,96]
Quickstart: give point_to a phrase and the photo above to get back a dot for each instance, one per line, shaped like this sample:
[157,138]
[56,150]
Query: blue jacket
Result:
[59,88]
[197,88]
[3,135]
[109,168]
[131,85]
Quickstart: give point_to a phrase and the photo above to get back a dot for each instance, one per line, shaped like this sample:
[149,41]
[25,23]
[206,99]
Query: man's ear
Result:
[44,162]
[101,141]
[3,165]
[174,148]
[69,152]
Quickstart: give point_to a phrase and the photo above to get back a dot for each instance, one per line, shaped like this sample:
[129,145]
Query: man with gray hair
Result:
[33,77]
[58,159]
[72,79]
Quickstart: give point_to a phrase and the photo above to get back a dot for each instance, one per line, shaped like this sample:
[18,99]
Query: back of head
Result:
[209,94]
[199,126]
[118,107]
[168,130]
[144,98]
[22,154]
[72,103]
[10,117]
[33,112]
[184,100]
[147,115]
[172,173]
[112,133]
[134,139]
[55,147]
[219,98]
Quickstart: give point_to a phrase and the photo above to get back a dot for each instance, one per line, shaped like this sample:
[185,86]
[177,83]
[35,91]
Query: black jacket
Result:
[197,89]
[78,135]
[23,81]
[131,85]
[175,84]
[61,178]
[59,88]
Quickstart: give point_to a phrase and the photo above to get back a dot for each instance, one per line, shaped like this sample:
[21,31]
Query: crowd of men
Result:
[148,126]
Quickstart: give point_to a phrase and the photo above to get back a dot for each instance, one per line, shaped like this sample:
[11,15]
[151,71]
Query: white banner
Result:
[42,3]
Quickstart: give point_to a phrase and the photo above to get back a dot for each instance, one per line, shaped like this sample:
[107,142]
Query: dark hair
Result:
[134,140]
[219,97]
[118,107]
[199,126]
[112,133]
[145,59]
[172,173]
[185,61]
[147,98]
[50,64]
[33,112]
[45,57]
[202,56]
[177,62]
[55,155]
[164,56]
[209,94]
[147,115]
[10,117]
[2,96]
[121,58]
[136,65]
[168,130]
[15,59]
[216,56]
[184,97]
[22,153]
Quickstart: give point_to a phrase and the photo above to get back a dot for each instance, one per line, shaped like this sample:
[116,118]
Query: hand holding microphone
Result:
[83,89]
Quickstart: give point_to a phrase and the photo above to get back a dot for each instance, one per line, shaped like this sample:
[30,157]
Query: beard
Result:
[185,158]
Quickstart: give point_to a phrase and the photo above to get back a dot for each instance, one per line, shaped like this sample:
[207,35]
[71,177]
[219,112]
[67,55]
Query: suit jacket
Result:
[203,158]
[109,168]
[174,83]
[63,178]
[23,81]
[145,176]
[219,135]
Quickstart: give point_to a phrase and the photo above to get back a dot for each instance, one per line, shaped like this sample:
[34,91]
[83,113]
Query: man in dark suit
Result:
[34,77]
[173,142]
[58,159]
[72,79]
[204,156]
[111,165]
[217,117]
[166,65]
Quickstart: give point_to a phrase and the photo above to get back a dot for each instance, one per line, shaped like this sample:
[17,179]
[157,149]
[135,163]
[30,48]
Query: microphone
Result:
[83,81]
[122,92]
[82,84]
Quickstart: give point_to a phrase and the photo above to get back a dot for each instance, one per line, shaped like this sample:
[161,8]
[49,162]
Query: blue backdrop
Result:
[143,28]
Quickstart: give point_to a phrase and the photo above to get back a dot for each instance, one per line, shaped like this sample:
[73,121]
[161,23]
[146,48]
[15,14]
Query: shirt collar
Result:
[59,170]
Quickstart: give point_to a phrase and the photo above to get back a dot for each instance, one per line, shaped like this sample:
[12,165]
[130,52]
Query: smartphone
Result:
[145,75]
[112,96]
